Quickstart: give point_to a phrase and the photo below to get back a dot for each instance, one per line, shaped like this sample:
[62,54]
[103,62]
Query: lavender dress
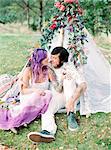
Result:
[30,107]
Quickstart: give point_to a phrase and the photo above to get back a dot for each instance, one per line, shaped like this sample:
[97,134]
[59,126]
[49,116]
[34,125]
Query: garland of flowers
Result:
[68,15]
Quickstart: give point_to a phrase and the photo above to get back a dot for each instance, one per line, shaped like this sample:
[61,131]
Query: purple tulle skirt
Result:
[30,107]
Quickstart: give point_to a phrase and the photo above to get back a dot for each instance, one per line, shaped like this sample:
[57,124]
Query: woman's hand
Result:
[40,92]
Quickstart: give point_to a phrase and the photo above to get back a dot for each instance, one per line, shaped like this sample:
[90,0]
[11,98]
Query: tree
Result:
[7,11]
[97,15]
[28,9]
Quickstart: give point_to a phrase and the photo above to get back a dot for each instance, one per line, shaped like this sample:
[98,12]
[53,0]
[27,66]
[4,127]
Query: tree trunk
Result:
[28,15]
[41,14]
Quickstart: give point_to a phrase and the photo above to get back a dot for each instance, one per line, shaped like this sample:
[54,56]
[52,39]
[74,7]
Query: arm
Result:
[25,89]
[58,86]
[80,89]
[77,93]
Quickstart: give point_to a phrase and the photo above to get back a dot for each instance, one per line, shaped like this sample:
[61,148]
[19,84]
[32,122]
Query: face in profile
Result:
[45,61]
[55,61]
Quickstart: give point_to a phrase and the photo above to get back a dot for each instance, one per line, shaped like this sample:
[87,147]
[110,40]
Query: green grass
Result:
[94,132]
[14,51]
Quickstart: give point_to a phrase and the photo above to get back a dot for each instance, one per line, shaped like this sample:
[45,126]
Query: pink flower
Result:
[62,8]
[57,4]
[71,29]
[54,20]
[71,1]
[69,18]
[80,10]
[56,17]
[53,26]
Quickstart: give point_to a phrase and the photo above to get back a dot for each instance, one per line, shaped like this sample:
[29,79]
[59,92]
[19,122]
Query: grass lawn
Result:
[94,132]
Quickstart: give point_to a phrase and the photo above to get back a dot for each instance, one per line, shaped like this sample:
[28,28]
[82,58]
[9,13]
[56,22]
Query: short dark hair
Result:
[63,54]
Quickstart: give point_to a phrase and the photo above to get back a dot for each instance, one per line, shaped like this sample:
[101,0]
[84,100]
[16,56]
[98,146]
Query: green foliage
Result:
[48,8]
[97,15]
[67,16]
[7,12]
[20,10]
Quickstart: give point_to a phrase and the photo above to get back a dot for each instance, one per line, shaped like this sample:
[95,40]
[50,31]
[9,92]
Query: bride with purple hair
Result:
[34,96]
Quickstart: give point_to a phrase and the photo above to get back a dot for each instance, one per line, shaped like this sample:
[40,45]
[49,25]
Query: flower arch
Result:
[67,15]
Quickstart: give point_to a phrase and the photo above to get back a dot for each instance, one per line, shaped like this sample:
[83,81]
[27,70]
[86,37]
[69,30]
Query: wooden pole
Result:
[62,36]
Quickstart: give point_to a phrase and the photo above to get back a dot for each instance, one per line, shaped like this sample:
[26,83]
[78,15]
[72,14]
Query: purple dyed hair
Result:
[36,63]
